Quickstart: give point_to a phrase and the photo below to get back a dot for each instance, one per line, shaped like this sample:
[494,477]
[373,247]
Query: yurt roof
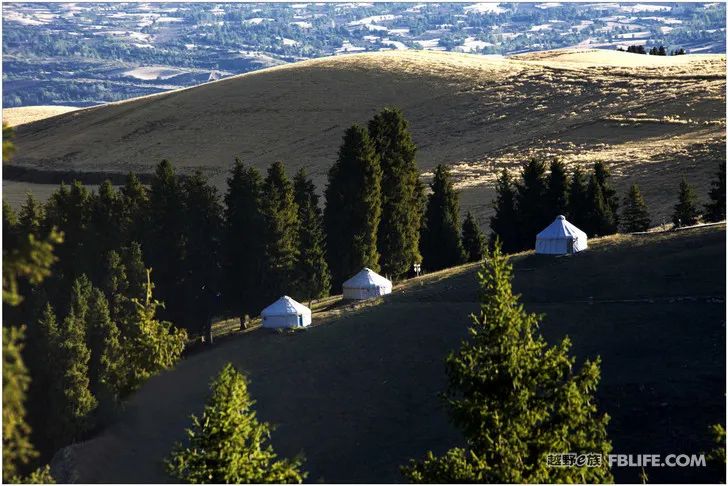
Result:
[367,278]
[560,228]
[285,306]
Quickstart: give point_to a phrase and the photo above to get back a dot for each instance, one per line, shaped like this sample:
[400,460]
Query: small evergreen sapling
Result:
[228,444]
[686,210]
[634,215]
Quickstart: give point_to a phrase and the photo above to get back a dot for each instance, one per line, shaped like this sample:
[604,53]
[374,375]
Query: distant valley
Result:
[83,54]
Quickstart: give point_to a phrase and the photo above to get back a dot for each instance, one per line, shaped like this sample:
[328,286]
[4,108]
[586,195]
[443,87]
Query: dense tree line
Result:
[654,51]
[96,332]
[524,207]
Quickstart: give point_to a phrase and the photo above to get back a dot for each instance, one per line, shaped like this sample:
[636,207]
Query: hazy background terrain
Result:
[81,54]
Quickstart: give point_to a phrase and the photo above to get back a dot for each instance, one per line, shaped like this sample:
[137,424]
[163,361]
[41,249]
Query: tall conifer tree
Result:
[243,243]
[473,239]
[313,279]
[715,209]
[578,210]
[610,193]
[201,264]
[69,210]
[399,228]
[72,408]
[504,223]
[134,209]
[353,207]
[557,190]
[531,203]
[600,221]
[107,360]
[105,228]
[634,215]
[280,217]
[31,216]
[164,247]
[441,243]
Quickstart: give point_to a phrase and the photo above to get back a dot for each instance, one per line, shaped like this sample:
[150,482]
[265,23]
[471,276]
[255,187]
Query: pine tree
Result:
[104,229]
[18,452]
[69,210]
[31,217]
[515,398]
[353,207]
[441,243]
[473,239]
[151,346]
[715,210]
[610,194]
[313,279]
[504,223]
[228,444]
[44,363]
[686,210]
[243,245]
[634,215]
[600,221]
[107,360]
[578,209]
[557,190]
[530,202]
[280,217]
[125,280]
[72,408]
[201,264]
[134,210]
[163,246]
[399,228]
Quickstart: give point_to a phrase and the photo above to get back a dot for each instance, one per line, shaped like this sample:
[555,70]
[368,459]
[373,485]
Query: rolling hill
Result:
[652,119]
[358,394]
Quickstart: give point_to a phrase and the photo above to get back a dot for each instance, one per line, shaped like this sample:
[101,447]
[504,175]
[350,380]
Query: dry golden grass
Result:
[27,114]
[645,116]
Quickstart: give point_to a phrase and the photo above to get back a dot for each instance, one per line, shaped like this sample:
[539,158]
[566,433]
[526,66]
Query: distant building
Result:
[286,313]
[365,285]
[561,238]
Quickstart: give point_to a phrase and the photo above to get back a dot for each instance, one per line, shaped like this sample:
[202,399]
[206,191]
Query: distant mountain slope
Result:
[358,395]
[477,113]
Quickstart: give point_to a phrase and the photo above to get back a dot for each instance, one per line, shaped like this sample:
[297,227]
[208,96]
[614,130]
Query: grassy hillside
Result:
[28,114]
[652,119]
[358,395]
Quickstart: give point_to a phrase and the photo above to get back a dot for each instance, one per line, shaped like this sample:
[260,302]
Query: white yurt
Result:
[286,312]
[365,285]
[560,238]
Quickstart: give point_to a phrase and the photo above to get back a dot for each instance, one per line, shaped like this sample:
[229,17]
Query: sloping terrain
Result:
[358,395]
[652,119]
[27,114]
